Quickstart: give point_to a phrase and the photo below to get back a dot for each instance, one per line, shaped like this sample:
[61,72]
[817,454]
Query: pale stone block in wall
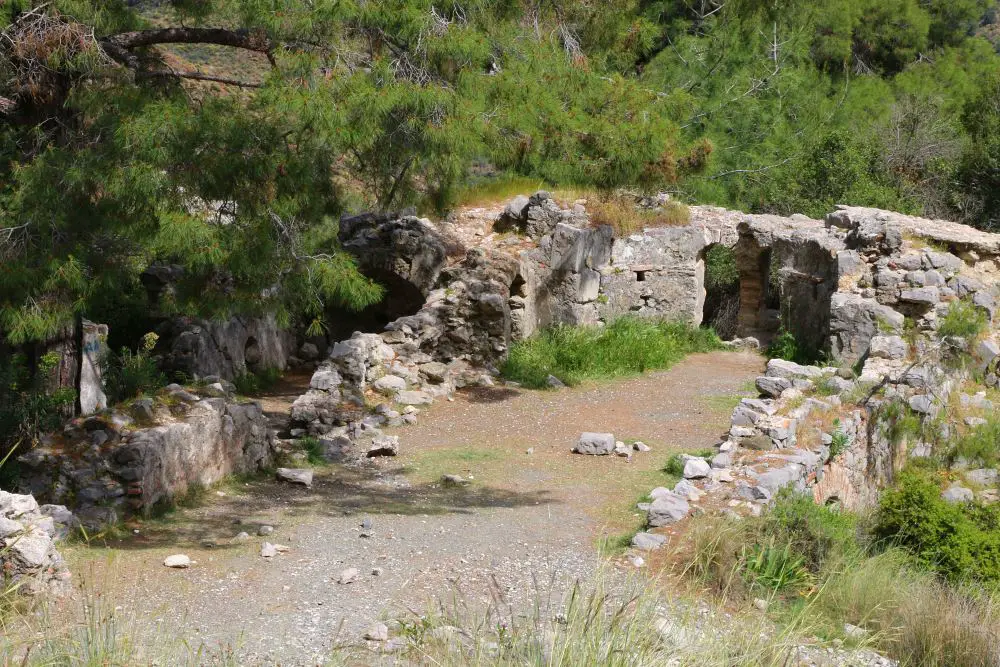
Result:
[93,348]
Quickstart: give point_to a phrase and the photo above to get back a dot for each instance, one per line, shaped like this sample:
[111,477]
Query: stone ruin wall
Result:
[835,284]
[129,459]
[478,284]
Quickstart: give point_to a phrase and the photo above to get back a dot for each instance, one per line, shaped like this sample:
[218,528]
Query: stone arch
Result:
[401,298]
[252,356]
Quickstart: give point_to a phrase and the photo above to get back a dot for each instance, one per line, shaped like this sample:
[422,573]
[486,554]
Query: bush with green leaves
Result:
[675,464]
[252,383]
[129,374]
[627,346]
[722,290]
[818,534]
[773,566]
[962,320]
[980,444]
[958,541]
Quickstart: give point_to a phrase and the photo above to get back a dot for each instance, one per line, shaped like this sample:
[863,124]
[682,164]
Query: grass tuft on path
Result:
[627,346]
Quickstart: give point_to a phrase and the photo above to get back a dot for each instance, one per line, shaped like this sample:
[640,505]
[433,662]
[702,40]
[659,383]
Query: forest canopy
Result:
[226,137]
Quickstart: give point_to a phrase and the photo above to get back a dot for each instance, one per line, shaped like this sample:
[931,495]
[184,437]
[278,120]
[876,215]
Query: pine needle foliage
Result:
[113,162]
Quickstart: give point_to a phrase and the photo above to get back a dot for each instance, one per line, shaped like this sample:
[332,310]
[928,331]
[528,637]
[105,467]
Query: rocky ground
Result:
[531,513]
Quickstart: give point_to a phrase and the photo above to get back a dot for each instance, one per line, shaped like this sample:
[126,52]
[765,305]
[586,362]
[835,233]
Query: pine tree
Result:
[114,156]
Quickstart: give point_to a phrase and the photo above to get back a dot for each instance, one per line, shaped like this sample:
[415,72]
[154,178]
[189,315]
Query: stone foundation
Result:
[117,463]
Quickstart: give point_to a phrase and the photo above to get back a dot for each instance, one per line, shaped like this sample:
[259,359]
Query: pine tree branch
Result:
[120,46]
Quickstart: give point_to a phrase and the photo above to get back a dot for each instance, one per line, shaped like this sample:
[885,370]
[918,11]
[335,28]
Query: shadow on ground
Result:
[337,491]
[488,394]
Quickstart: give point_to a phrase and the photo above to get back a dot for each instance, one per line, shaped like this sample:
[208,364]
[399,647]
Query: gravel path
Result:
[524,520]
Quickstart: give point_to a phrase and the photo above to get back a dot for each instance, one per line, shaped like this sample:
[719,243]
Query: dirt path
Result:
[525,517]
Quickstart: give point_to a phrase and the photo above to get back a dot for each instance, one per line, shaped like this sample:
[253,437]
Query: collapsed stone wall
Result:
[29,559]
[845,286]
[859,281]
[127,461]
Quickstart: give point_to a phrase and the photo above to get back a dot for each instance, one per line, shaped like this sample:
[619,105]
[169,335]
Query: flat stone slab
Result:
[302,476]
[178,561]
[648,541]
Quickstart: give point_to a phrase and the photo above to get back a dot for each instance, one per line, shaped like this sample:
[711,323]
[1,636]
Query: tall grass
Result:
[606,620]
[625,347]
[496,190]
[818,570]
[912,615]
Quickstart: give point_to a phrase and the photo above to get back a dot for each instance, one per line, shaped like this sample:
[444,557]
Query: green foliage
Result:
[979,169]
[980,444]
[962,319]
[775,568]
[625,347]
[813,104]
[838,439]
[721,272]
[253,383]
[771,107]
[27,406]
[899,423]
[959,541]
[816,533]
[131,374]
[784,346]
[313,449]
[675,464]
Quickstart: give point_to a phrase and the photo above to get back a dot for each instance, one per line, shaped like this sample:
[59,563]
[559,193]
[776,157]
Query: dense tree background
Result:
[227,136]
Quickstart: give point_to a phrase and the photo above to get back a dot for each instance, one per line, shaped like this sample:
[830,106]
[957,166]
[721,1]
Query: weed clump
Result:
[625,217]
[962,320]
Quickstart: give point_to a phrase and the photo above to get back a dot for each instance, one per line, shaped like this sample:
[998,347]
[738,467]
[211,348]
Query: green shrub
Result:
[838,440]
[962,319]
[981,444]
[627,346]
[784,346]
[675,464]
[249,383]
[958,541]
[130,374]
[721,272]
[313,449]
[722,291]
[898,422]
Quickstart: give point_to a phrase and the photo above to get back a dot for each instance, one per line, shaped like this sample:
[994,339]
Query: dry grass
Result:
[625,217]
[914,616]
[910,614]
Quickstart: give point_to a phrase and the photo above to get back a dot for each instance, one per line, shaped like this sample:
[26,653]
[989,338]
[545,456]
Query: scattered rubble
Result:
[28,555]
